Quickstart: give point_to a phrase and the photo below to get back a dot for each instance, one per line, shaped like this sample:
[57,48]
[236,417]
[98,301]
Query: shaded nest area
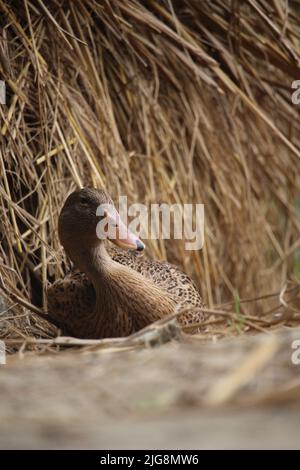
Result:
[163,101]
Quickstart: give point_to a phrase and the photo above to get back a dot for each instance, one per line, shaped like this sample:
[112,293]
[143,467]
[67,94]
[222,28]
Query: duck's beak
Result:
[121,236]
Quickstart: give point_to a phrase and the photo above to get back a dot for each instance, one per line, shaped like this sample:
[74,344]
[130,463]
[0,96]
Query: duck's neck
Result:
[125,300]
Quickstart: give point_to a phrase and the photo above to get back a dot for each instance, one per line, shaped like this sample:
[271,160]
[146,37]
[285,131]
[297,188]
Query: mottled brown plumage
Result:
[115,292]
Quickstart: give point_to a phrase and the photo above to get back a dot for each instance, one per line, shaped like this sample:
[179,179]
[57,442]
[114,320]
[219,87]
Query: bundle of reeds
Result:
[162,101]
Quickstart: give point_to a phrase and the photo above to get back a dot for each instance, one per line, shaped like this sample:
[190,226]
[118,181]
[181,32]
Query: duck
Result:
[113,291]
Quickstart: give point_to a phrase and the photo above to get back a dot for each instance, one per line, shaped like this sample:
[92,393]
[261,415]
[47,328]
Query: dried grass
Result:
[162,101]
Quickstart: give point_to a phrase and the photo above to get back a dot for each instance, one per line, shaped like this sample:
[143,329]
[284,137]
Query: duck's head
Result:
[88,217]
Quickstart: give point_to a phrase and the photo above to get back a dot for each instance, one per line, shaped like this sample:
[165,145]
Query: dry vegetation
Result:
[174,101]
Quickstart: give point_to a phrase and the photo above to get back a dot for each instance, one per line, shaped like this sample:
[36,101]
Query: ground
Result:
[186,393]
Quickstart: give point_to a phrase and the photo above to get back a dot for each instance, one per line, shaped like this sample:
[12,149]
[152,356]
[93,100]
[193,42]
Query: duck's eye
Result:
[83,200]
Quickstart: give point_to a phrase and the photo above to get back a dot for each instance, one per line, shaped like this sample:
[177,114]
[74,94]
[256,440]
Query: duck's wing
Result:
[179,286]
[70,298]
[169,277]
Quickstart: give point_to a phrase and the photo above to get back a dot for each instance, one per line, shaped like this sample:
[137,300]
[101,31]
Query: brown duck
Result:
[114,292]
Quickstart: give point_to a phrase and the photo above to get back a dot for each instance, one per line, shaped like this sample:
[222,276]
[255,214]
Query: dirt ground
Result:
[235,393]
